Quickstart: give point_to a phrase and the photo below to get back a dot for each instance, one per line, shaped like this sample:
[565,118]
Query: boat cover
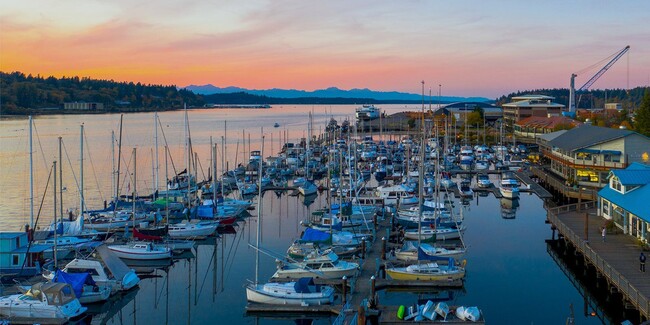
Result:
[205,211]
[314,235]
[303,284]
[137,234]
[422,256]
[113,263]
[76,280]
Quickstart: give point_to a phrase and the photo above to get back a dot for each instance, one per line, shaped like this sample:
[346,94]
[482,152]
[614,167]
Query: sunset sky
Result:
[472,48]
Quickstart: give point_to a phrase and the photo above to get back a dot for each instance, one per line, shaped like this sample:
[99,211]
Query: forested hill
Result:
[589,99]
[27,94]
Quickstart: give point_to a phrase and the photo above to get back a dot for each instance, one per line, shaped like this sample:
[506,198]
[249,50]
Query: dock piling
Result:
[383,248]
[345,290]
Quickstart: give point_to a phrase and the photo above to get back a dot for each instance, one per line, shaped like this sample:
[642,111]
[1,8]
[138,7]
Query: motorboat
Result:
[509,187]
[42,303]
[141,251]
[483,181]
[109,270]
[85,288]
[302,292]
[189,229]
[327,266]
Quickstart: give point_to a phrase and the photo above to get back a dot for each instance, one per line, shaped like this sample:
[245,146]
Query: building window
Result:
[587,176]
[618,217]
[616,184]
[15,259]
[605,207]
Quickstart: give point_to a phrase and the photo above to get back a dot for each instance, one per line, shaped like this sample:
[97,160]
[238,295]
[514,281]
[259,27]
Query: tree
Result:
[642,118]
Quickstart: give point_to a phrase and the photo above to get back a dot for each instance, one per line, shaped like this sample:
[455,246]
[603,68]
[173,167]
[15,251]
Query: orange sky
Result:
[486,48]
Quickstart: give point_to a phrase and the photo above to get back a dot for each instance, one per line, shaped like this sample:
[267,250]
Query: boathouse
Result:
[584,156]
[624,200]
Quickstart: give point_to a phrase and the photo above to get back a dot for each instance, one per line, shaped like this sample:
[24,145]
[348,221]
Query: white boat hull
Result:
[257,294]
[134,254]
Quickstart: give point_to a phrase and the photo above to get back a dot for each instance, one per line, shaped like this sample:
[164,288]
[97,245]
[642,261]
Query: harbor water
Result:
[511,274]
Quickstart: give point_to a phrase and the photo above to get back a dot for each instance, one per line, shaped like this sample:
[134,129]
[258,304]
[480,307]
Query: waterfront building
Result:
[18,257]
[461,109]
[525,106]
[584,155]
[84,106]
[624,200]
[533,126]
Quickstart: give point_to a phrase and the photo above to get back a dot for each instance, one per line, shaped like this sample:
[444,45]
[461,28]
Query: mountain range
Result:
[331,92]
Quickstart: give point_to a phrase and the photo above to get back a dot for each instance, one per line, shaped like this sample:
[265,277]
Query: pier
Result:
[616,259]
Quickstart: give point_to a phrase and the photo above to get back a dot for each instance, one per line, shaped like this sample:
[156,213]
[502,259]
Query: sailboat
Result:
[301,292]
[429,271]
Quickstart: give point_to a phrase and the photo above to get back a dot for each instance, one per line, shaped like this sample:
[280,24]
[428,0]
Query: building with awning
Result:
[624,200]
[584,155]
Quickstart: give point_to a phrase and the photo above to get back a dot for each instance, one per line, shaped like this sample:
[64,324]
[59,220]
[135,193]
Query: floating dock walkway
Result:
[616,259]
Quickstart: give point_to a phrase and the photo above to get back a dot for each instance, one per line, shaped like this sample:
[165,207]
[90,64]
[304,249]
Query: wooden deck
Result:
[558,184]
[616,258]
[532,186]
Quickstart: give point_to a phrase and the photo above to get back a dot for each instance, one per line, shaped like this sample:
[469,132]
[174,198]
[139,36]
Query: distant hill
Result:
[332,92]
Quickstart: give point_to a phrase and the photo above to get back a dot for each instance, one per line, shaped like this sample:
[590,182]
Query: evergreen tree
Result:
[642,118]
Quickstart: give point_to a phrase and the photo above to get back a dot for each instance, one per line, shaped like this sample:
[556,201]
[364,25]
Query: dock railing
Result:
[614,277]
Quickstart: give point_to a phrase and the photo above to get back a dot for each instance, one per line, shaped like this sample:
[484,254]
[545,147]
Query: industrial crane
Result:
[572,91]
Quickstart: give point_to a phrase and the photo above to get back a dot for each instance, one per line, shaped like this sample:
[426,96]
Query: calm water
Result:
[511,276]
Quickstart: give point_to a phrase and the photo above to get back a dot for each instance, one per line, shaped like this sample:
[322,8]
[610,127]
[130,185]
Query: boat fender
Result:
[464,263]
[400,312]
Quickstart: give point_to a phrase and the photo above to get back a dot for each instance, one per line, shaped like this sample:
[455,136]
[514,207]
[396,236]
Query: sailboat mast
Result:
[56,223]
[81,173]
[135,177]
[31,176]
[119,159]
[259,213]
[421,173]
[155,135]
[61,178]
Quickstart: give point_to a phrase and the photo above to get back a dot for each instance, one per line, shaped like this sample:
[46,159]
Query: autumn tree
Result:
[642,118]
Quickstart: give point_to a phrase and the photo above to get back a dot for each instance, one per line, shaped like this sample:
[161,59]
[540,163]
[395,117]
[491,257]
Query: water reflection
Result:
[509,208]
[597,301]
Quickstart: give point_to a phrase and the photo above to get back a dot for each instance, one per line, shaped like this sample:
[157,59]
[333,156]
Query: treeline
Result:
[27,94]
[629,99]
[249,99]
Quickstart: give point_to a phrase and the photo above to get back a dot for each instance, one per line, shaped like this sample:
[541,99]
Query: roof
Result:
[533,103]
[550,136]
[635,174]
[547,122]
[587,135]
[528,97]
[469,105]
[36,248]
[633,201]
[10,235]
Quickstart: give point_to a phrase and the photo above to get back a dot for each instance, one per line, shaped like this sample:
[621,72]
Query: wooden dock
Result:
[616,258]
[532,186]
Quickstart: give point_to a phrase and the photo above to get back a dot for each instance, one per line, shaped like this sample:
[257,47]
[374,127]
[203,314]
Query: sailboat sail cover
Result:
[313,235]
[422,256]
[302,285]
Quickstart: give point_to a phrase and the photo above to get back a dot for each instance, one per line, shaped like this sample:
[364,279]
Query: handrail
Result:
[615,277]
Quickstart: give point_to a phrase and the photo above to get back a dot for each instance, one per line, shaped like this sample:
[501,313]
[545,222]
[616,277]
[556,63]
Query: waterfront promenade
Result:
[616,258]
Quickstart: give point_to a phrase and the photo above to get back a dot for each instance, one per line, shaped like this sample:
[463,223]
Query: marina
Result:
[209,278]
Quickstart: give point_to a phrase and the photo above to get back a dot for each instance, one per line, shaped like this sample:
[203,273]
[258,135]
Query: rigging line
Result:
[40,145]
[38,215]
[596,64]
[92,165]
[167,146]
[70,164]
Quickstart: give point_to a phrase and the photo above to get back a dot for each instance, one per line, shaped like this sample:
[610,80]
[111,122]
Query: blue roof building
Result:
[624,200]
